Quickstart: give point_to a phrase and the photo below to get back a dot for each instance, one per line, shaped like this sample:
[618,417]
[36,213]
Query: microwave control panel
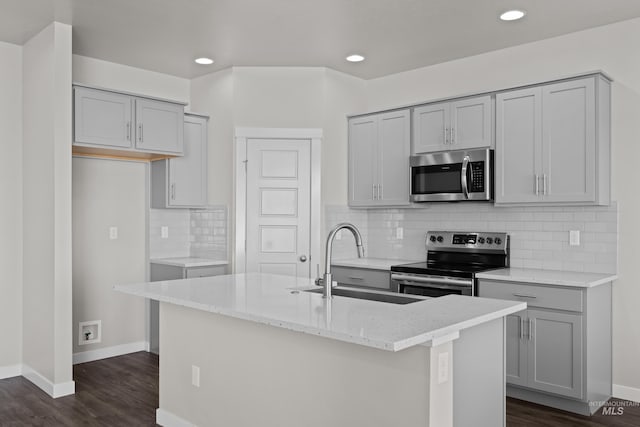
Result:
[477,177]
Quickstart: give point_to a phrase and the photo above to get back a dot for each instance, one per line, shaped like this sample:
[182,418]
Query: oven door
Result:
[452,176]
[431,286]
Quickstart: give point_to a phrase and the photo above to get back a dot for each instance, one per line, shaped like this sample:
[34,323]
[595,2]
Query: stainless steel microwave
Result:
[452,176]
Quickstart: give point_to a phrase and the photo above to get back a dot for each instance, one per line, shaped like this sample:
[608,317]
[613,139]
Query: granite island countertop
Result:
[280,302]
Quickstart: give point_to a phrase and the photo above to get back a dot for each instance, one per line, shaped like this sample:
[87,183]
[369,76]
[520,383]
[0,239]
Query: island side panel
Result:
[479,392]
[253,374]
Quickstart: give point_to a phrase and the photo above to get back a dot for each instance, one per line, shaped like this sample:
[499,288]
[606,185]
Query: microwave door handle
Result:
[463,176]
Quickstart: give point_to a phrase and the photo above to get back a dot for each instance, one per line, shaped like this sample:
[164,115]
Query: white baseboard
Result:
[53,390]
[10,371]
[626,393]
[105,353]
[167,419]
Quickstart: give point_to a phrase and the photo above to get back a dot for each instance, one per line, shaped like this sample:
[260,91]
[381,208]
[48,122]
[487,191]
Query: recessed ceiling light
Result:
[204,61]
[512,15]
[355,58]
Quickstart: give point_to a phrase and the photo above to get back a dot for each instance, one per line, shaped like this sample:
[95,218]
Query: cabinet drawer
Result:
[533,295]
[194,272]
[364,277]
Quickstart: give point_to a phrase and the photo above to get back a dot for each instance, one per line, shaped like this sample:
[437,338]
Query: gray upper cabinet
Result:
[181,182]
[107,122]
[379,159]
[552,143]
[454,125]
[159,126]
[102,118]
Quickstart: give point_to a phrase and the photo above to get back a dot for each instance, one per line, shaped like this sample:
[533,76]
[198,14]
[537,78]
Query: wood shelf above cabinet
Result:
[102,153]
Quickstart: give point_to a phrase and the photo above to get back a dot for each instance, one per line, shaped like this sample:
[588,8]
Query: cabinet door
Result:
[188,174]
[518,146]
[471,123]
[102,118]
[569,141]
[555,352]
[363,143]
[159,126]
[516,349]
[430,128]
[393,158]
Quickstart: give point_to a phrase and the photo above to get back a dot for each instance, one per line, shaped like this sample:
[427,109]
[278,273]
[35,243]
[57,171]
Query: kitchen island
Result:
[255,349]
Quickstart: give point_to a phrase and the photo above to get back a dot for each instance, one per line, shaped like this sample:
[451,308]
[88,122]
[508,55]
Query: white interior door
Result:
[278,206]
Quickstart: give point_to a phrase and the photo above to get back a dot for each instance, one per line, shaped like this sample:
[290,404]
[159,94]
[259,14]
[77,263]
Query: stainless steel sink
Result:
[372,296]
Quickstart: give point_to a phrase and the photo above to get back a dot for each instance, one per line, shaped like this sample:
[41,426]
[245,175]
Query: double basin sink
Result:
[379,296]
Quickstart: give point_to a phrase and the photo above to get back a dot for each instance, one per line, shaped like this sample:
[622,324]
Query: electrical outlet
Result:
[443,367]
[164,232]
[195,376]
[399,233]
[113,233]
[574,238]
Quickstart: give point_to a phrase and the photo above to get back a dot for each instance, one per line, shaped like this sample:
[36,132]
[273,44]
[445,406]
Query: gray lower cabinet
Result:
[181,182]
[558,351]
[379,159]
[125,123]
[362,277]
[159,272]
[553,143]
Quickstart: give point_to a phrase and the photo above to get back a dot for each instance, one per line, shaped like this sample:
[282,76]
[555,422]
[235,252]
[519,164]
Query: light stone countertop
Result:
[548,277]
[371,263]
[273,300]
[188,262]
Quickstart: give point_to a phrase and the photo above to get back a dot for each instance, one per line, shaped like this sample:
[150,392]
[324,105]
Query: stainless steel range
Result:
[453,259]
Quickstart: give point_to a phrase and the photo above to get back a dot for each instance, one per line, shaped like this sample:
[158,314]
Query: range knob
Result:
[440,239]
[497,240]
[489,240]
[432,238]
[481,240]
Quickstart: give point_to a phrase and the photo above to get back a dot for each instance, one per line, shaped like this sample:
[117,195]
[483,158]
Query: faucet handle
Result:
[319,281]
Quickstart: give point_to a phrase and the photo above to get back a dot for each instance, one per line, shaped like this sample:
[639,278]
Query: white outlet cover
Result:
[399,233]
[574,238]
[164,232]
[195,375]
[443,367]
[339,235]
[113,233]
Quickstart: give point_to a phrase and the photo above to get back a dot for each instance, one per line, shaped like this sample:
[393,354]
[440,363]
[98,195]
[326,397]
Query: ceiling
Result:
[393,35]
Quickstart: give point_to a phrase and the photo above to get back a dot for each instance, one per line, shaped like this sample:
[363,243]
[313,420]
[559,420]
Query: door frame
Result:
[242,137]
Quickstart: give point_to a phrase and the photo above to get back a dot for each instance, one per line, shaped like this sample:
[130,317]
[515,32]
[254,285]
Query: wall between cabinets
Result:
[11,208]
[609,48]
[119,188]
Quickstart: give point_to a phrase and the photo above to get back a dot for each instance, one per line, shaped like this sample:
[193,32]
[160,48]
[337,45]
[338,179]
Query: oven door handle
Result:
[463,176]
[438,280]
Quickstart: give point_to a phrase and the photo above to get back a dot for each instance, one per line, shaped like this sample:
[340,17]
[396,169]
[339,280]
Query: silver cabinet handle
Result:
[446,135]
[373,191]
[379,191]
[173,191]
[525,296]
[303,258]
[537,184]
[140,132]
[128,131]
[453,136]
[522,327]
[356,278]
[530,329]
[544,184]
[463,176]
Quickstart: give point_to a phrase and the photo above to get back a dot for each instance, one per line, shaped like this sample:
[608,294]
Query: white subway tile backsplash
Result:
[539,235]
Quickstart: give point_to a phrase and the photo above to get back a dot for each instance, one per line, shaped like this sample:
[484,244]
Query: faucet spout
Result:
[328,282]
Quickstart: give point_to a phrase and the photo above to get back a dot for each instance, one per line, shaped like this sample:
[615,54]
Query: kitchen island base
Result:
[254,374]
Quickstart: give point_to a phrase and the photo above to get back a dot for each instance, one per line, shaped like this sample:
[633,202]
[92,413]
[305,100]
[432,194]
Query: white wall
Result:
[112,193]
[46,167]
[11,207]
[611,48]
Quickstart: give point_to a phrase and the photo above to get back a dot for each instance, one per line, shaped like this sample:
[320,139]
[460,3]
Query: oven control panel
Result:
[451,240]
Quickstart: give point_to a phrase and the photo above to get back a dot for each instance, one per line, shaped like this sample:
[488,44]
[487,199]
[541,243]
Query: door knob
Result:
[303,258]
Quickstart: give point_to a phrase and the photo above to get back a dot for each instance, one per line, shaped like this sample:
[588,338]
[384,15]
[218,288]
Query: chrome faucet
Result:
[327,281]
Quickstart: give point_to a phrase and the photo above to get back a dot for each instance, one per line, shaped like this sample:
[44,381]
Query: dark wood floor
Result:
[123,391]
